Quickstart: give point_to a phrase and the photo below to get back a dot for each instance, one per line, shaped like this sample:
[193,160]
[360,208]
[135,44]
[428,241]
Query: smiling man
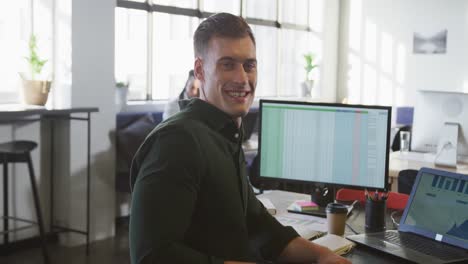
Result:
[191,199]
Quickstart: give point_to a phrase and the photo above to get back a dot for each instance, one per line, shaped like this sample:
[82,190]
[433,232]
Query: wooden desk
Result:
[360,254]
[415,160]
[15,113]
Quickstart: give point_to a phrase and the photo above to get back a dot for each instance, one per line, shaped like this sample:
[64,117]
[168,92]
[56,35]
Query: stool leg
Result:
[38,210]
[5,201]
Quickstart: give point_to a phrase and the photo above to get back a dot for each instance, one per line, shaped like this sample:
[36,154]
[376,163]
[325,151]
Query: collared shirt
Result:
[191,200]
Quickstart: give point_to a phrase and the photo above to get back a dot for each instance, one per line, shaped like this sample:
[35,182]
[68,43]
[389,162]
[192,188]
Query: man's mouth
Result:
[238,94]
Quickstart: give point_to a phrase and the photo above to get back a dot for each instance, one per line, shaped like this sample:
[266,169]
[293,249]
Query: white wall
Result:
[329,65]
[93,85]
[377,64]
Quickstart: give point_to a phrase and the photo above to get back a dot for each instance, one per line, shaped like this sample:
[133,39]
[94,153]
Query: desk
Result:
[415,160]
[12,114]
[359,254]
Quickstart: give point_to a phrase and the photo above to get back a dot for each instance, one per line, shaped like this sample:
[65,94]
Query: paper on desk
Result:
[306,226]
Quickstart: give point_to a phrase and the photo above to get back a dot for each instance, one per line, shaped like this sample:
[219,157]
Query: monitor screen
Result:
[338,144]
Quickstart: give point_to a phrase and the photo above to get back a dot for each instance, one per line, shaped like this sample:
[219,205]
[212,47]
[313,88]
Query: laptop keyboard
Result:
[424,245]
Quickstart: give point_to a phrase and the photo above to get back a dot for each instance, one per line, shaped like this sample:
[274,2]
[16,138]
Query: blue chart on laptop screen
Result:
[440,205]
[330,144]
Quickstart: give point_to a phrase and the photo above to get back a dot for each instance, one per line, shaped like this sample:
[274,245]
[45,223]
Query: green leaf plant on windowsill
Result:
[308,83]
[35,88]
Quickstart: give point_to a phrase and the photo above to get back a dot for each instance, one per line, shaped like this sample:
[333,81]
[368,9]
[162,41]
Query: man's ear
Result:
[198,70]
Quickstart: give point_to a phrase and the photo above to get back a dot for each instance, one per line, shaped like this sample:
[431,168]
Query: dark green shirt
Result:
[191,200]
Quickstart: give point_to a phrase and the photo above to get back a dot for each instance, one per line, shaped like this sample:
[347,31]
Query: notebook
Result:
[434,225]
[337,244]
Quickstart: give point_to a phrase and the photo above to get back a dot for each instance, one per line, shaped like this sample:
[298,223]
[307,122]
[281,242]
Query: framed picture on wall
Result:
[435,43]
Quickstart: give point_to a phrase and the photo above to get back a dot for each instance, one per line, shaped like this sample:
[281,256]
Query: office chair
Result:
[395,200]
[406,180]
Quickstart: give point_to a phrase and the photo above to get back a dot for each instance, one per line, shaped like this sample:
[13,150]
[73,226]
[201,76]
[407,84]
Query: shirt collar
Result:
[214,118]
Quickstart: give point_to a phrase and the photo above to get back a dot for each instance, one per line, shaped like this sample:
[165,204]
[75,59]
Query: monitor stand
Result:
[447,146]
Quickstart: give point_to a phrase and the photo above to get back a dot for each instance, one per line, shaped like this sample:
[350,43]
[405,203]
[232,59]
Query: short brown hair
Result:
[220,25]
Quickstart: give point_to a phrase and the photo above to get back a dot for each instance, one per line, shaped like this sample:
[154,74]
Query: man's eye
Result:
[250,66]
[228,65]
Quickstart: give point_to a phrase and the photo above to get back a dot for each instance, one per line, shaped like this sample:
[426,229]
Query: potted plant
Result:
[308,83]
[35,89]
[122,92]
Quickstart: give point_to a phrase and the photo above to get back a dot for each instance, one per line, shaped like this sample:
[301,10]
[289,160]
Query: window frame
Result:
[197,12]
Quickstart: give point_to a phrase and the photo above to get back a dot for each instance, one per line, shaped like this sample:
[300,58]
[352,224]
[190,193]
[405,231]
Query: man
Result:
[191,90]
[191,199]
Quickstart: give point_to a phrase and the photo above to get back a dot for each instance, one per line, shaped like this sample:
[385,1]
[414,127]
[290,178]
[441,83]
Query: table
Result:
[360,254]
[415,160]
[12,114]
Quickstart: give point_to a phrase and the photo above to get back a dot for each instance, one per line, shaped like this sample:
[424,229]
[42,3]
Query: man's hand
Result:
[330,257]
[300,250]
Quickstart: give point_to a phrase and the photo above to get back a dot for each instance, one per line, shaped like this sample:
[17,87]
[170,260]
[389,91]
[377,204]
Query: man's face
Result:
[228,73]
[193,88]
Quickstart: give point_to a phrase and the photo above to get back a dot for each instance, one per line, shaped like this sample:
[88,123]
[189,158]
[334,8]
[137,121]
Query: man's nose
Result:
[241,75]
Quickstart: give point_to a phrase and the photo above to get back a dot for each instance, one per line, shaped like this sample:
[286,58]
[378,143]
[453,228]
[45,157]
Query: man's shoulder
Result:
[177,126]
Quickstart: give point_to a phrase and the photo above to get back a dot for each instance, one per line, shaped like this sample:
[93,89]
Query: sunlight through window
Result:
[369,85]
[355,25]
[354,79]
[370,40]
[386,53]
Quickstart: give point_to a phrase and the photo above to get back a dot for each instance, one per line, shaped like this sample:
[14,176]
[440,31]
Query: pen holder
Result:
[375,215]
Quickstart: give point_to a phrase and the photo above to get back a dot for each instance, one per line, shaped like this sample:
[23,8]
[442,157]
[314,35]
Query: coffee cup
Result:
[336,218]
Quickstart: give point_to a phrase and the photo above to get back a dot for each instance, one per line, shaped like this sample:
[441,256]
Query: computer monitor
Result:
[432,111]
[333,144]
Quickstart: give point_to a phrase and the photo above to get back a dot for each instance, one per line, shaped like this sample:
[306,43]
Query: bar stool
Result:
[15,152]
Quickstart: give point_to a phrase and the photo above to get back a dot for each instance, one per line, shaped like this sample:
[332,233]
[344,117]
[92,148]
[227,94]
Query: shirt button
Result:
[236,135]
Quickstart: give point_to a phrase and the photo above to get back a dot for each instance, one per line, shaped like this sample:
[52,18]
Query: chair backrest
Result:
[406,180]
[395,200]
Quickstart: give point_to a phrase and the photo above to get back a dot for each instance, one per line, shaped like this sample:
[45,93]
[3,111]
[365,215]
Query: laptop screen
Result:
[438,207]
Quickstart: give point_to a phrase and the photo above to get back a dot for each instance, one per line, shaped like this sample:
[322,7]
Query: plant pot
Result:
[36,92]
[121,96]
[307,86]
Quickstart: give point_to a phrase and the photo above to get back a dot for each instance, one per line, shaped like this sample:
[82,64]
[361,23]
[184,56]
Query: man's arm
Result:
[163,200]
[300,250]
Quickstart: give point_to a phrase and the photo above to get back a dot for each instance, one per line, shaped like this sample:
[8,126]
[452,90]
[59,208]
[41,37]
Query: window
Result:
[154,42]
[16,24]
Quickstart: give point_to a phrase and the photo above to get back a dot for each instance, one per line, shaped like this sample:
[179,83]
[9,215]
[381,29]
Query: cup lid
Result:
[336,208]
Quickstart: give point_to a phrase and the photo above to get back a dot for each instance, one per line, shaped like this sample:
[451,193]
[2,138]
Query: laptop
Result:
[434,225]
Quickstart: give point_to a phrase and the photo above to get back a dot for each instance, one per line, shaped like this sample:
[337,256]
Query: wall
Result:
[376,61]
[93,85]
[329,65]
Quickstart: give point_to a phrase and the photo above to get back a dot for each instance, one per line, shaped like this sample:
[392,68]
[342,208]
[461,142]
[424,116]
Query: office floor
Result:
[109,251]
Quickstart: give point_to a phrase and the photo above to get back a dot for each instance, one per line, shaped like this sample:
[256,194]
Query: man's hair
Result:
[222,25]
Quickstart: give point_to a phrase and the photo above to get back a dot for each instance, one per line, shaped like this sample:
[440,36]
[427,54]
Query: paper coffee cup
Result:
[336,218]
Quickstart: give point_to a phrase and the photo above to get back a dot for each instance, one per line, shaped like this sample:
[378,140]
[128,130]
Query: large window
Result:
[154,42]
[17,23]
